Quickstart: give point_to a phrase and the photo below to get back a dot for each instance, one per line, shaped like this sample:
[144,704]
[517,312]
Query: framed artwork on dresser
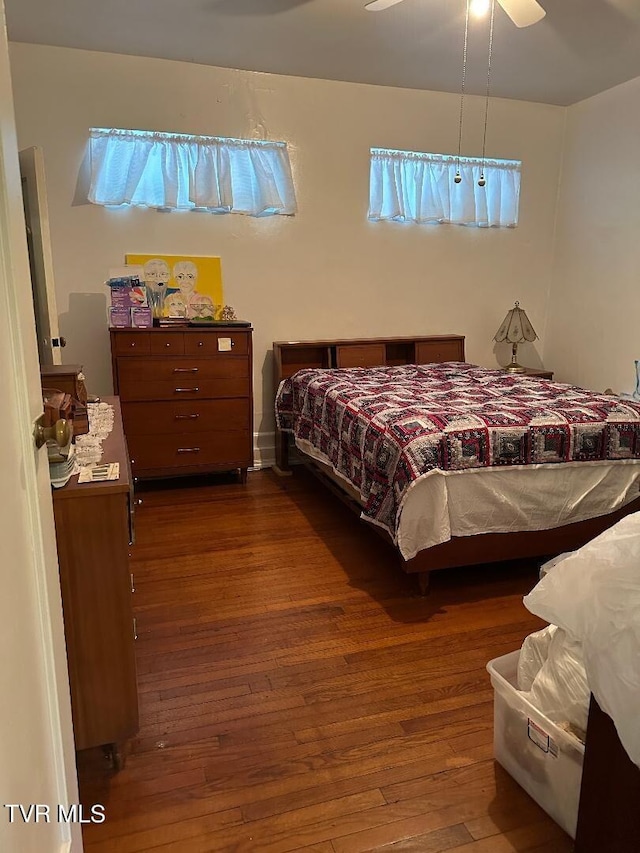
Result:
[188,286]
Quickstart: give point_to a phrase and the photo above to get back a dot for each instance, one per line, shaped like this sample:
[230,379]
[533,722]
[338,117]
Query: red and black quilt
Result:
[382,428]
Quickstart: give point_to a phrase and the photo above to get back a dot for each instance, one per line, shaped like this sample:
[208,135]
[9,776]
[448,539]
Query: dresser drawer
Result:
[178,368]
[435,352]
[198,343]
[132,343]
[183,389]
[188,416]
[226,450]
[360,355]
[167,343]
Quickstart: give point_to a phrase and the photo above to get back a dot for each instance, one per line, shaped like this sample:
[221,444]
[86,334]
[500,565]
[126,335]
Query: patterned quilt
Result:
[383,428]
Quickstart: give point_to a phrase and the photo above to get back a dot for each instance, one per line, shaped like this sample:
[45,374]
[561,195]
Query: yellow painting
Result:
[183,286]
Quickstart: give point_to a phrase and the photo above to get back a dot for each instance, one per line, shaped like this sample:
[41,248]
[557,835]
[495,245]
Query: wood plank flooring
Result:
[297,694]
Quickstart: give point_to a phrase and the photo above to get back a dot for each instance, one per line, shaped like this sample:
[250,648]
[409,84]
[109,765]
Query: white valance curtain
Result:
[172,171]
[412,187]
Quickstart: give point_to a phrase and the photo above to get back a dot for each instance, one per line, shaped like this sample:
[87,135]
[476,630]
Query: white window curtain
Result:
[172,171]
[407,186]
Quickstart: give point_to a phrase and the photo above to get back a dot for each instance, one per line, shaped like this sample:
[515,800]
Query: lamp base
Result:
[514,367]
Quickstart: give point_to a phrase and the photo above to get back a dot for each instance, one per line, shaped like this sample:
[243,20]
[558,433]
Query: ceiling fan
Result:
[523,13]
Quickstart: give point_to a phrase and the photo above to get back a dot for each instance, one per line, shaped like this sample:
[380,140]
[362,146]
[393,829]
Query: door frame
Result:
[34,190]
[36,626]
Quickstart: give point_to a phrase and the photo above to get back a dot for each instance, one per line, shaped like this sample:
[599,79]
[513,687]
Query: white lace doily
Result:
[89,446]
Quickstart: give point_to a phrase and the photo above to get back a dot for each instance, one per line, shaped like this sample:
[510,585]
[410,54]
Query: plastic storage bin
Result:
[543,759]
[550,564]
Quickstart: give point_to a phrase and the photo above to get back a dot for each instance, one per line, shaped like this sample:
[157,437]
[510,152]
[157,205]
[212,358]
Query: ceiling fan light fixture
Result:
[379,5]
[523,13]
[479,8]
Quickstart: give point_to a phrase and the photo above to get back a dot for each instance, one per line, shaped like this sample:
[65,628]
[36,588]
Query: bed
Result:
[452,463]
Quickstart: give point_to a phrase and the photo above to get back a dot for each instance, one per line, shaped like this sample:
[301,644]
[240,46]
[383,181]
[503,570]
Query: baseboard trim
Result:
[264,450]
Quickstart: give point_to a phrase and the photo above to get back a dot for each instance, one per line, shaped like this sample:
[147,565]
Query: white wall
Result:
[592,333]
[327,271]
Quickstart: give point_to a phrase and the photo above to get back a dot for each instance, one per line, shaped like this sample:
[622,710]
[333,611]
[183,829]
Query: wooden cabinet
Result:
[65,377]
[438,350]
[187,398]
[360,355]
[94,529]
[608,817]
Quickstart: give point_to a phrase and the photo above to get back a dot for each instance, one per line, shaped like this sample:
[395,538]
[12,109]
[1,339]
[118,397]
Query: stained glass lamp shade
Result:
[515,328]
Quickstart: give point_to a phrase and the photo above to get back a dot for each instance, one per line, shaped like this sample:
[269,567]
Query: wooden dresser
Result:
[186,397]
[608,817]
[94,531]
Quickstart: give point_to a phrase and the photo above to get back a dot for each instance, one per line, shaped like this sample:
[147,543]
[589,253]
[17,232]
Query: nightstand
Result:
[65,377]
[540,372]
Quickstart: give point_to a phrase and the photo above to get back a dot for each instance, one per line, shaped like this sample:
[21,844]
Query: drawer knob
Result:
[167,344]
[186,417]
[187,390]
[133,343]
[185,369]
[188,450]
[200,343]
[138,502]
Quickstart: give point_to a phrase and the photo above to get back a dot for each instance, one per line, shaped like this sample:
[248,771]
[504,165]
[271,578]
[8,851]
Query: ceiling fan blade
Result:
[523,13]
[379,5]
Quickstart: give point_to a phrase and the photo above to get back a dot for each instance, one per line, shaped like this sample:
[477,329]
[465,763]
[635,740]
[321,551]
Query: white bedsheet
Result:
[442,504]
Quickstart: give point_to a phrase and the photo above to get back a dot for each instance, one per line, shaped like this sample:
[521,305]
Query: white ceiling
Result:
[580,48]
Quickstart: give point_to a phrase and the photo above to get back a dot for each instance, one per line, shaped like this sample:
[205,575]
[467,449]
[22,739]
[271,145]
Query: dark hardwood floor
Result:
[297,694]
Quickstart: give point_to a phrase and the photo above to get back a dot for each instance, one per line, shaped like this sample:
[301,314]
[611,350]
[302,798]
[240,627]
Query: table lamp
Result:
[515,328]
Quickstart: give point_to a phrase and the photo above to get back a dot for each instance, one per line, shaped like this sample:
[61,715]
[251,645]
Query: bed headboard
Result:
[291,356]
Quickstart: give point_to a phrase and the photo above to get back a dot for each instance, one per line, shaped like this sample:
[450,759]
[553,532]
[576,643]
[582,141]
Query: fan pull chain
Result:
[458,176]
[482,180]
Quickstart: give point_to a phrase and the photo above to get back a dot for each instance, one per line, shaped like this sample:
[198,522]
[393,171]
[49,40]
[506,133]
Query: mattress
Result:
[454,449]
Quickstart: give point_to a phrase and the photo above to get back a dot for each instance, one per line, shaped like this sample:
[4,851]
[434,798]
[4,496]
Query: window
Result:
[407,186]
[177,172]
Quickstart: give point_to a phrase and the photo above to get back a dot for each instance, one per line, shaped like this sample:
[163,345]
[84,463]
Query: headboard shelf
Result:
[291,356]
[297,357]
[402,352]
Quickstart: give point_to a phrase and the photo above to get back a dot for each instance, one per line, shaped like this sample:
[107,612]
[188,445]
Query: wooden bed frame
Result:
[291,356]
